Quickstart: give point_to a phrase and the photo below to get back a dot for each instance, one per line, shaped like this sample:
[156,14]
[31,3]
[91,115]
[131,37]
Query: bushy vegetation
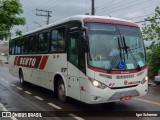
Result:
[151,32]
[10,11]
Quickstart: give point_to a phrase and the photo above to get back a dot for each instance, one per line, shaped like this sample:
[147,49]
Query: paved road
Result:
[14,97]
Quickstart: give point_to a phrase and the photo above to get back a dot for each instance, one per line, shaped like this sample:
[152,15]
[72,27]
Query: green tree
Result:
[18,33]
[151,31]
[153,60]
[10,11]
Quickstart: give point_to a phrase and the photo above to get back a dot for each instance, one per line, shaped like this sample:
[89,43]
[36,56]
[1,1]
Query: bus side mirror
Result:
[85,47]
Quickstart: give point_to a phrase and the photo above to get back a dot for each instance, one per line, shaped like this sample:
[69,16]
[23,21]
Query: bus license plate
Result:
[125,98]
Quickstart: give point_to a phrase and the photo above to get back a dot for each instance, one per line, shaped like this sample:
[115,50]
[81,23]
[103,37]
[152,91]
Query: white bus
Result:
[92,59]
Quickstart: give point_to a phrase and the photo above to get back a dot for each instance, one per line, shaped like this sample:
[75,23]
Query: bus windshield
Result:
[115,47]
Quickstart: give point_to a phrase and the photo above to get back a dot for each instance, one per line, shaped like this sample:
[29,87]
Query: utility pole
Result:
[93,9]
[45,15]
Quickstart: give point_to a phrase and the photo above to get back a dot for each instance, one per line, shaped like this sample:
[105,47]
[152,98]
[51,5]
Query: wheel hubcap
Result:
[61,91]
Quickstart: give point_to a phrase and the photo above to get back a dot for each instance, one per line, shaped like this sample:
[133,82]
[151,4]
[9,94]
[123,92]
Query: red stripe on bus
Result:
[43,62]
[116,72]
[102,20]
[15,60]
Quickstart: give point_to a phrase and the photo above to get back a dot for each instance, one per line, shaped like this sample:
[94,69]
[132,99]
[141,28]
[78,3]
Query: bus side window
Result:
[61,39]
[43,42]
[54,40]
[18,46]
[11,47]
[73,48]
[58,40]
[32,44]
[24,45]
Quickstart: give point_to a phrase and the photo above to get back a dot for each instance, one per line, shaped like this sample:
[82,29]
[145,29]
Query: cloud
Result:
[129,9]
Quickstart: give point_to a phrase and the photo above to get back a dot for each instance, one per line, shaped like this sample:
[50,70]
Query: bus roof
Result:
[86,18]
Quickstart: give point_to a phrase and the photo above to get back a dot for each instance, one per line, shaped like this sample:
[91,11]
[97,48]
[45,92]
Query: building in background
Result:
[4,51]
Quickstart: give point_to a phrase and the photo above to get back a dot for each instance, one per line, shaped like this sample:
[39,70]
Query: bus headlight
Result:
[97,83]
[144,80]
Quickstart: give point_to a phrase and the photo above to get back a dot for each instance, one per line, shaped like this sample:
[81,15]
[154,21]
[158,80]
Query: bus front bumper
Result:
[97,95]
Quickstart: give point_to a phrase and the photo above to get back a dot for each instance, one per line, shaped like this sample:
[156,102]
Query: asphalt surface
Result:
[30,99]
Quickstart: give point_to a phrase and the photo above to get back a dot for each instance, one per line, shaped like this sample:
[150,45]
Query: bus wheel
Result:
[61,92]
[21,78]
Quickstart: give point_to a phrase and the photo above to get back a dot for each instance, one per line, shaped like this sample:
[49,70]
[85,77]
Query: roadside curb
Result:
[4,65]
[151,84]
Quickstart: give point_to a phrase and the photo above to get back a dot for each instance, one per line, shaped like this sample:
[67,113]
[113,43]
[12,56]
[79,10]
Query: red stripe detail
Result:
[43,62]
[116,72]
[103,20]
[15,60]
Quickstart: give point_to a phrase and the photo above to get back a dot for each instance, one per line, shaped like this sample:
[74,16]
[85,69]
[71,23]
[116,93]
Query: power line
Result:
[108,5]
[57,4]
[146,20]
[140,16]
[114,9]
[45,15]
[133,17]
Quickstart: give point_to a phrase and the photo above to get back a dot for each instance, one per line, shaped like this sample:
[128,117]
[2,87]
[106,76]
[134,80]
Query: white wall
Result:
[4,59]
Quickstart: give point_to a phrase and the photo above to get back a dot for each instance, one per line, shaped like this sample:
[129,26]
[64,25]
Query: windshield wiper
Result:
[126,49]
[116,56]
[120,48]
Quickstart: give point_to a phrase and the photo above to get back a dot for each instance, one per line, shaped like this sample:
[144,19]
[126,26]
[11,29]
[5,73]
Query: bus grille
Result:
[124,76]
[118,95]
[123,87]
[139,74]
[106,76]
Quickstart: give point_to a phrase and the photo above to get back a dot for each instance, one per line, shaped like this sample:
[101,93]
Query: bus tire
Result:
[61,92]
[21,77]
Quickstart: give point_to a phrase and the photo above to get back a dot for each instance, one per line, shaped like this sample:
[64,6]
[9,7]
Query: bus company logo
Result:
[131,83]
[125,82]
[134,83]
[31,61]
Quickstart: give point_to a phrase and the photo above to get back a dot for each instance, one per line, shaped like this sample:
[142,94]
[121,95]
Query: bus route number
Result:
[63,69]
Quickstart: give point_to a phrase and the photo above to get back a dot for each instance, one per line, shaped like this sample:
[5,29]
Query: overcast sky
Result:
[134,10]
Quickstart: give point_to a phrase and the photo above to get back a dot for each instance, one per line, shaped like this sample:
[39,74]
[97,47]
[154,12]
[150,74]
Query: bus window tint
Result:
[17,46]
[11,47]
[58,40]
[54,41]
[73,49]
[24,48]
[43,42]
[32,44]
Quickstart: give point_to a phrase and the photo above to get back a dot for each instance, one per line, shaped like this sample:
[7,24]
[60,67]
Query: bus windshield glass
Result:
[116,47]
